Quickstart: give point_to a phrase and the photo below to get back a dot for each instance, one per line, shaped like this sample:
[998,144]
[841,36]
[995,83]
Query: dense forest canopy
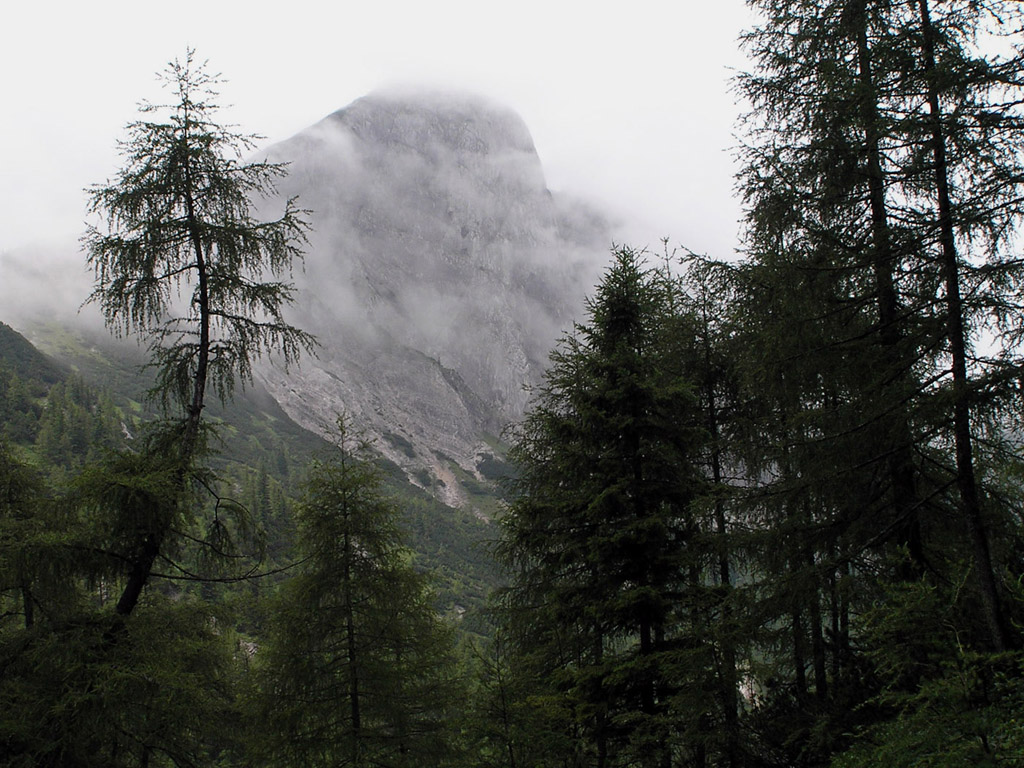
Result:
[762,512]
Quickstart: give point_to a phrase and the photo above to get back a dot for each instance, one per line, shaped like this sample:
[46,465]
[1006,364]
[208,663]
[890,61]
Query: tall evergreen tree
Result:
[21,527]
[600,534]
[99,676]
[971,128]
[179,223]
[883,180]
[710,348]
[358,670]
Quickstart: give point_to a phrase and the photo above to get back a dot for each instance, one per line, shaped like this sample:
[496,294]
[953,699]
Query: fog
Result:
[433,228]
[441,269]
[46,282]
[628,106]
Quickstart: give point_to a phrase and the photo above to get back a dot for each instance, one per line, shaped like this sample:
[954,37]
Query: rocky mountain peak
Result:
[421,121]
[439,274]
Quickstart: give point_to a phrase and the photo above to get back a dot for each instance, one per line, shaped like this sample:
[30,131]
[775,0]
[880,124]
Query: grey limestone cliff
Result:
[440,272]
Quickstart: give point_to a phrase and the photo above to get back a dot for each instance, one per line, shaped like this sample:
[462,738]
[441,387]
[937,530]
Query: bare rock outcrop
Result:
[440,272]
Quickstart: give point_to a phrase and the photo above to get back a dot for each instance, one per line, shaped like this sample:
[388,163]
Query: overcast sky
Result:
[629,104]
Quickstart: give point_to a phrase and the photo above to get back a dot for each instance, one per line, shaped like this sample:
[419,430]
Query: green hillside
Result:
[24,360]
[70,394]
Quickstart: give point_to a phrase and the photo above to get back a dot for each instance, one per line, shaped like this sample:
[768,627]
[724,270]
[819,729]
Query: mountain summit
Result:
[440,272]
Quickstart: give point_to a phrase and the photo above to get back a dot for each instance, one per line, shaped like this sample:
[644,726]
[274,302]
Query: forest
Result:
[765,511]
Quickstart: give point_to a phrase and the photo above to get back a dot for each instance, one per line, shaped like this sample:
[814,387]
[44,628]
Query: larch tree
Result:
[182,261]
[103,672]
[968,197]
[710,349]
[886,166]
[883,179]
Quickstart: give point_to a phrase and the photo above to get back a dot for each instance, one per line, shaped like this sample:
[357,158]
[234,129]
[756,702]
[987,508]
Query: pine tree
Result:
[358,670]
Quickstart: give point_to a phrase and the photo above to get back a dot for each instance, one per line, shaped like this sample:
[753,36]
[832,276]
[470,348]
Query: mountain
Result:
[439,274]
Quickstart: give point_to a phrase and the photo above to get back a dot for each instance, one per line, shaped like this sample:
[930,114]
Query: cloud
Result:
[42,283]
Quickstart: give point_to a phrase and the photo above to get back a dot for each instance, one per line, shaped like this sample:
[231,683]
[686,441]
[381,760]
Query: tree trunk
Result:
[601,721]
[142,567]
[799,655]
[195,407]
[897,448]
[29,605]
[355,718]
[139,575]
[817,639]
[965,475]
[728,676]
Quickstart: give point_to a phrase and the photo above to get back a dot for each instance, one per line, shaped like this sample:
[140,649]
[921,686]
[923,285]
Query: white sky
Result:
[629,103]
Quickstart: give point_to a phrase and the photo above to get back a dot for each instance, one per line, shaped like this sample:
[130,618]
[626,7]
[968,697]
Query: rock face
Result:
[440,272]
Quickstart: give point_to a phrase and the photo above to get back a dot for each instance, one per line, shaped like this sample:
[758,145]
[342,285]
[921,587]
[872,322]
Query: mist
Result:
[434,228]
[440,270]
[440,273]
[45,283]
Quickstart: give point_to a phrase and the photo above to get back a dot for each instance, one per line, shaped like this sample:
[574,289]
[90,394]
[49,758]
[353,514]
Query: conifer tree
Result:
[883,180]
[600,534]
[971,130]
[182,261]
[710,348]
[21,527]
[100,676]
[358,669]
